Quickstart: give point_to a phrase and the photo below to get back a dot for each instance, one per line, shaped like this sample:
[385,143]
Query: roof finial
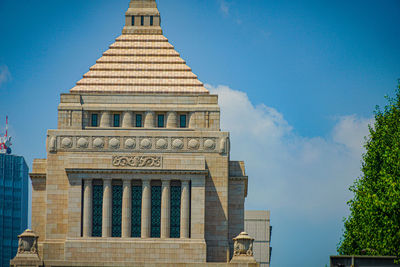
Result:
[142,17]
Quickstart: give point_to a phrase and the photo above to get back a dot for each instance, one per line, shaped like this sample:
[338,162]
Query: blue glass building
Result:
[13,204]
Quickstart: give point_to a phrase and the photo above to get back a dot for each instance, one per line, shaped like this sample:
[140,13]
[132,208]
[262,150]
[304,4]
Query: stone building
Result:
[138,172]
[13,204]
[257,224]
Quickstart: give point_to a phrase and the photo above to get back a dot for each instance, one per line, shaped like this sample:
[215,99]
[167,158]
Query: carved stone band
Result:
[137,161]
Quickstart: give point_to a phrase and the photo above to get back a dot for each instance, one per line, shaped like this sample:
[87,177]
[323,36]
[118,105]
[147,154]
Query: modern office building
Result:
[138,172]
[13,204]
[257,225]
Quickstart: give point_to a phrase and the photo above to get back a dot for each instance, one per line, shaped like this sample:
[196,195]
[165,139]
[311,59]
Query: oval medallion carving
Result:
[130,143]
[193,144]
[98,143]
[66,142]
[83,143]
[162,144]
[177,144]
[114,143]
[145,143]
[209,144]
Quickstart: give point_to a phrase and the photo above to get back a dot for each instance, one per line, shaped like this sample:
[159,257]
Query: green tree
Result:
[373,227]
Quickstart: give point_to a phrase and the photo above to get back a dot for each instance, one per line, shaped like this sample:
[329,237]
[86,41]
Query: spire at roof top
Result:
[142,17]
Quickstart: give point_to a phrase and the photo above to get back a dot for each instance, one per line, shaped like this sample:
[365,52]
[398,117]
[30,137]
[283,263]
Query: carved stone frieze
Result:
[137,161]
[139,143]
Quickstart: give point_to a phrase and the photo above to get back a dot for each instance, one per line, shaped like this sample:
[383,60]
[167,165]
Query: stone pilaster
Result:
[172,120]
[87,208]
[126,209]
[127,119]
[185,207]
[165,208]
[149,119]
[107,208]
[146,209]
[105,119]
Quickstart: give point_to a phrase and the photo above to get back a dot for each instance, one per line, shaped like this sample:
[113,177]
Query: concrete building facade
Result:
[13,204]
[257,224]
[138,172]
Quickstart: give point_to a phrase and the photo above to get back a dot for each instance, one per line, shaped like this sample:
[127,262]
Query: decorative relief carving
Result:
[193,144]
[52,144]
[145,144]
[209,144]
[130,143]
[114,143]
[137,161]
[98,143]
[161,144]
[83,143]
[177,144]
[212,144]
[66,142]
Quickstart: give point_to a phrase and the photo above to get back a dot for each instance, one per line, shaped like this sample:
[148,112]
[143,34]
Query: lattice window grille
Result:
[97,210]
[136,210]
[175,212]
[155,211]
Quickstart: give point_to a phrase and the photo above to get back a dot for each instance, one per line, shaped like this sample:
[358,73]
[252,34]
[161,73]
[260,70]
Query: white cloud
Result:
[5,74]
[224,7]
[288,172]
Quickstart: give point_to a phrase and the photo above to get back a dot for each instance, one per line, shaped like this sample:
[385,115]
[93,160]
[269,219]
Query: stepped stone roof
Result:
[141,61]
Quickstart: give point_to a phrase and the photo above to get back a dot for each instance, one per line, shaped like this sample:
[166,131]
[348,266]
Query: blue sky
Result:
[306,74]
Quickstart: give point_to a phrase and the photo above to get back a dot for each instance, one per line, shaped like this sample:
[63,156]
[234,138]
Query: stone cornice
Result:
[134,171]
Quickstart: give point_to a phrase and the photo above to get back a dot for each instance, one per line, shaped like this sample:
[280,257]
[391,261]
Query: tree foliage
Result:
[373,227]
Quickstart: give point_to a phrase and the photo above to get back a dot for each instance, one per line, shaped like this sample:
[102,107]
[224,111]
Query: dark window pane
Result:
[151,20]
[155,211]
[116,120]
[116,210]
[136,210]
[97,210]
[182,121]
[142,20]
[133,20]
[94,120]
[160,119]
[138,120]
[175,211]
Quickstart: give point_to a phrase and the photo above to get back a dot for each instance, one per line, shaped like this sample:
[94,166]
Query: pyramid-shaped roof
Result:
[141,61]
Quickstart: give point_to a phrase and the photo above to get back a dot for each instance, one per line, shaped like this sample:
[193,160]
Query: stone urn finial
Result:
[28,253]
[28,242]
[243,248]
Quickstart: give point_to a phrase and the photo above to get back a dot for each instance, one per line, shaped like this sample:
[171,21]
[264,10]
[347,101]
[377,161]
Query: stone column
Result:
[107,208]
[149,118]
[87,208]
[146,208]
[185,207]
[165,209]
[191,120]
[126,209]
[127,119]
[105,120]
[172,120]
